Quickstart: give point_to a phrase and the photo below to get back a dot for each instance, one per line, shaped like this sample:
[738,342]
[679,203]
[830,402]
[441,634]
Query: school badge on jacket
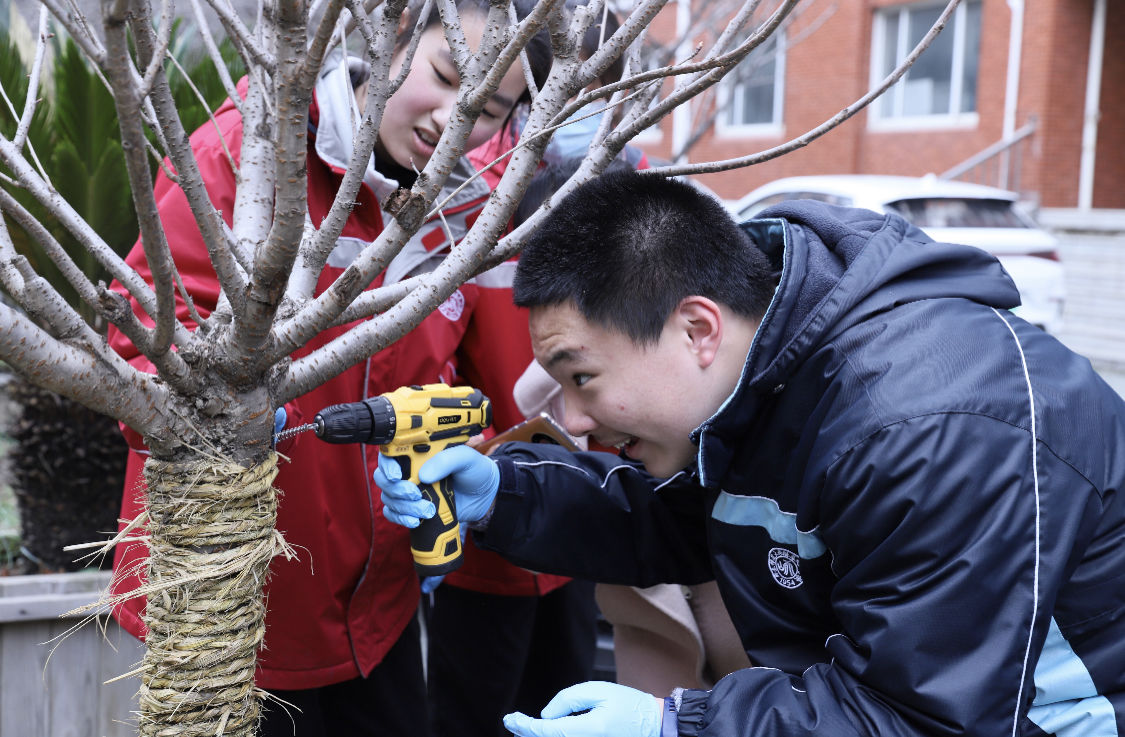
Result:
[785,567]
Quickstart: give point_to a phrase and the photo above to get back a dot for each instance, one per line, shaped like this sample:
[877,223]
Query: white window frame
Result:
[876,121]
[727,96]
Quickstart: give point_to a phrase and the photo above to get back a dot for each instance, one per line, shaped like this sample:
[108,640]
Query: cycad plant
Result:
[67,464]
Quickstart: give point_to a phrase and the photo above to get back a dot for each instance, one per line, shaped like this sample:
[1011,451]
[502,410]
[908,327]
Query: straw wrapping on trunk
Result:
[211,537]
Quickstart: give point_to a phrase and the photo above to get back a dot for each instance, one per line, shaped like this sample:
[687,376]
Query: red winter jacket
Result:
[335,611]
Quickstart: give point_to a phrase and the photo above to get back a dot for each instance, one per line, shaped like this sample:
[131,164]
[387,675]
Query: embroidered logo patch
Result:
[785,567]
[453,307]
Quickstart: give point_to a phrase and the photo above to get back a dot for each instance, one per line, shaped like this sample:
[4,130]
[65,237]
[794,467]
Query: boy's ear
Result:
[701,323]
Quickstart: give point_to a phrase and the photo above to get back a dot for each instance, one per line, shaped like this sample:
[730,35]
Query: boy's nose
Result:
[576,422]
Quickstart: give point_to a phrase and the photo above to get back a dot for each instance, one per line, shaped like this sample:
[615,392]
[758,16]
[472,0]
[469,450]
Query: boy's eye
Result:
[580,379]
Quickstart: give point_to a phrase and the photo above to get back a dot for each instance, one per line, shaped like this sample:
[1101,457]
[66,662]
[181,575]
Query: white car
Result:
[950,212]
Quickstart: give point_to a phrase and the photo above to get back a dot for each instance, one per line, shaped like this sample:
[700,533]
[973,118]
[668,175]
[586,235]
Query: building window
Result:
[752,95]
[941,87]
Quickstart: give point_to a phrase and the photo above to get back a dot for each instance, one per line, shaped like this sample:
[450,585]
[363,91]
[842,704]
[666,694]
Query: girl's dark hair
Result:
[595,37]
[359,72]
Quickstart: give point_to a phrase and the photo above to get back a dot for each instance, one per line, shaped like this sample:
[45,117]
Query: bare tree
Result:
[206,413]
[702,28]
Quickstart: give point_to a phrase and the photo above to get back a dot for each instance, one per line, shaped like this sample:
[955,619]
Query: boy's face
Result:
[645,400]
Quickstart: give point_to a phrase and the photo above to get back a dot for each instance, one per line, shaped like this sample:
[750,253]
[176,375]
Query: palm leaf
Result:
[83,111]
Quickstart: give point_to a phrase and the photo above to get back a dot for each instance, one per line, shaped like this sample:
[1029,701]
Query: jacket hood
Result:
[837,267]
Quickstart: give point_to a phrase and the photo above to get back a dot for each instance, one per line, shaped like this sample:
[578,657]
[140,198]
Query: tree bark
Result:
[211,536]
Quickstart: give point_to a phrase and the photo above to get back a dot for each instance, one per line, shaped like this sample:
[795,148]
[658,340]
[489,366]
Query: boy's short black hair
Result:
[626,247]
[546,181]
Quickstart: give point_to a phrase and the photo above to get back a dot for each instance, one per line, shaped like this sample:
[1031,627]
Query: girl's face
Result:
[416,115]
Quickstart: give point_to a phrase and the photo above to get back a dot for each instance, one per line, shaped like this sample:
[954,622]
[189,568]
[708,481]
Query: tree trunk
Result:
[212,536]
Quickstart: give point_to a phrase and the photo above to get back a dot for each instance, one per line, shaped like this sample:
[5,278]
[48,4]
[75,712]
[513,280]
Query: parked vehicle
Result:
[951,212]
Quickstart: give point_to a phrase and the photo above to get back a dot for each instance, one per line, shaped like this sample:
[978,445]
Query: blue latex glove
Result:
[614,711]
[280,417]
[475,479]
[429,583]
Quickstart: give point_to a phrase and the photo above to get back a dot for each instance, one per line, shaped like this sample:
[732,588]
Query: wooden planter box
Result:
[63,693]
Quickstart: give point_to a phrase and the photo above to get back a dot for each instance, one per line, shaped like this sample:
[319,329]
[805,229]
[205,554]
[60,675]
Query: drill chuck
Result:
[369,421]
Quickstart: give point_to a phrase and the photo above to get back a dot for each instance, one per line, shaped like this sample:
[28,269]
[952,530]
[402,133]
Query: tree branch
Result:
[243,262]
[317,314]
[31,149]
[315,250]
[156,56]
[170,365]
[715,67]
[58,255]
[274,261]
[40,300]
[76,26]
[114,389]
[374,301]
[469,257]
[253,201]
[213,230]
[215,55]
[119,72]
[33,82]
[495,68]
[454,36]
[820,130]
[240,35]
[318,47]
[411,48]
[709,112]
[85,235]
[596,161]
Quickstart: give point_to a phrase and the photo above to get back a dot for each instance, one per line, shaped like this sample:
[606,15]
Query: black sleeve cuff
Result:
[692,711]
[498,532]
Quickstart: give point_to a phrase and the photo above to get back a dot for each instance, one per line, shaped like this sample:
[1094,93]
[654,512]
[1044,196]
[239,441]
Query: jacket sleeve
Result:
[596,516]
[946,565]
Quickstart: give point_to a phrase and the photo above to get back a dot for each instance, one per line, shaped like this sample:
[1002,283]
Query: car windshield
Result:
[958,212]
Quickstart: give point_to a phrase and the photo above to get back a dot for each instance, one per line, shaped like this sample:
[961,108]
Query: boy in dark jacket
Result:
[910,498]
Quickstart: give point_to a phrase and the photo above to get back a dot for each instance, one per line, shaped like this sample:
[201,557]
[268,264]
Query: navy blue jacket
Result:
[912,503]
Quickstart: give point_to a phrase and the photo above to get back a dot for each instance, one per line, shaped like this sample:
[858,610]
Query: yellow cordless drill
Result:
[410,425]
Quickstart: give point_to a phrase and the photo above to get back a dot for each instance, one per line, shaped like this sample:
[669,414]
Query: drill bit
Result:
[286,434]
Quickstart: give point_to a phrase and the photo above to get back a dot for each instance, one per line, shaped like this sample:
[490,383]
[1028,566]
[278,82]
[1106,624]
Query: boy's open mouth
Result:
[626,444]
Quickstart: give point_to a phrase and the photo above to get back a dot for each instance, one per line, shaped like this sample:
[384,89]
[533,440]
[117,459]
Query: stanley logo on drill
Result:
[449,419]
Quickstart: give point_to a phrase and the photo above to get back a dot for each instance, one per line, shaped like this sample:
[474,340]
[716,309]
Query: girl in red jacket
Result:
[342,641]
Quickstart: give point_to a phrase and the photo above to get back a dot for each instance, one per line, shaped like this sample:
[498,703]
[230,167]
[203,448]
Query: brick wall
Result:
[1053,87]
[830,68]
[825,71]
